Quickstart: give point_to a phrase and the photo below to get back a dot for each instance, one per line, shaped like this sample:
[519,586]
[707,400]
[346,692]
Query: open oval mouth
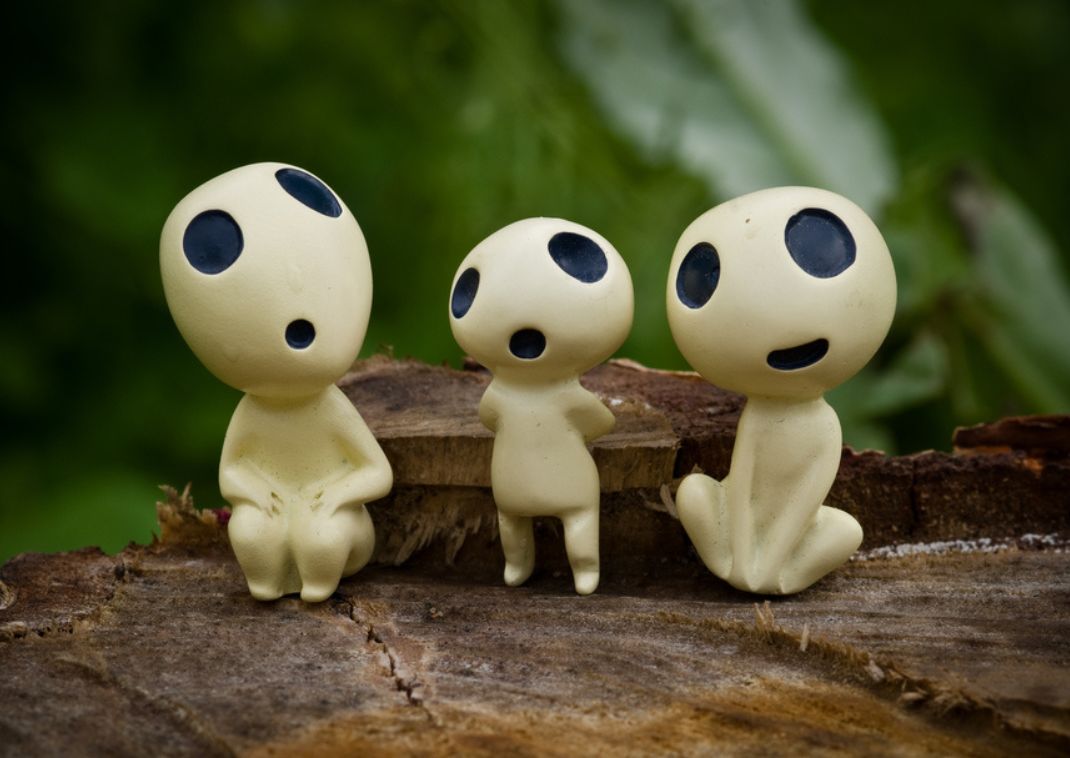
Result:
[800,356]
[527,344]
[300,334]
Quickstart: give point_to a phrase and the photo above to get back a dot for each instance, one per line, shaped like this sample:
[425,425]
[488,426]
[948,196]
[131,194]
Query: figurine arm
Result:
[370,477]
[590,416]
[489,414]
[239,481]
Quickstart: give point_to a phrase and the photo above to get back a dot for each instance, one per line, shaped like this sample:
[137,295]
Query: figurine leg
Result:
[700,504]
[581,544]
[363,542]
[830,540]
[518,544]
[323,544]
[259,541]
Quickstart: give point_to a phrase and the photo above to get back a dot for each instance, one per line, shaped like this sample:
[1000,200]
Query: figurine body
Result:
[268,279]
[298,473]
[539,302]
[780,295]
[541,467]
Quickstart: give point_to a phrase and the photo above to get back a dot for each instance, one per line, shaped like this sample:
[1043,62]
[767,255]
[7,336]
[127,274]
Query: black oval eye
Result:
[819,242]
[300,333]
[698,275]
[212,242]
[309,190]
[578,256]
[464,292]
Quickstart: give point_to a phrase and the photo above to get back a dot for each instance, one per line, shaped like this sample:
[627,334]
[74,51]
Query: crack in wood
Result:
[407,685]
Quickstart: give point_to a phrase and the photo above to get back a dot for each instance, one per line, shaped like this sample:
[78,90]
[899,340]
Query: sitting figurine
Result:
[780,295]
[538,303]
[267,276]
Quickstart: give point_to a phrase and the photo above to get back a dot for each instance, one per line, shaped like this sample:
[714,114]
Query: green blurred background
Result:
[439,122]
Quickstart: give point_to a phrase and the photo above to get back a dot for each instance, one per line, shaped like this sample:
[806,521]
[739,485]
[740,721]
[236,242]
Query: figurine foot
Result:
[264,591]
[581,544]
[515,575]
[586,580]
[700,504]
[518,544]
[313,593]
[831,539]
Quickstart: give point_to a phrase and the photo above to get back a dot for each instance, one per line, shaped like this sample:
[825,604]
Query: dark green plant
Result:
[439,122]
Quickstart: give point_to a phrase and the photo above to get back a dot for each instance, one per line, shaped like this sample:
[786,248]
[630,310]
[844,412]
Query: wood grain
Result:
[943,650]
[161,651]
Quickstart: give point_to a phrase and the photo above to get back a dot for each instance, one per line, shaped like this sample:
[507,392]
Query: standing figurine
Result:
[538,303]
[780,295]
[267,276]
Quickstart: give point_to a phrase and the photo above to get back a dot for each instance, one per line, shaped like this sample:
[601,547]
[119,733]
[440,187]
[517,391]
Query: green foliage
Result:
[743,95]
[438,123]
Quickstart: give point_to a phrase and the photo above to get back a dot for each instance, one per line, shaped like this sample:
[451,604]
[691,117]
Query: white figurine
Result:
[538,303]
[780,295]
[267,276]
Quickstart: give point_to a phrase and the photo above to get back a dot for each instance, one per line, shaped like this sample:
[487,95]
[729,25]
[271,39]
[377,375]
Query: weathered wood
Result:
[1038,436]
[161,651]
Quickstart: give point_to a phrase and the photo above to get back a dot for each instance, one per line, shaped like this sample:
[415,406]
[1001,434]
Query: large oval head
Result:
[267,276]
[786,292]
[541,298]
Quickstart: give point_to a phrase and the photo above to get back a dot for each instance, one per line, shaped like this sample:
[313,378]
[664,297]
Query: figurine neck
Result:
[273,400]
[528,376]
[772,402]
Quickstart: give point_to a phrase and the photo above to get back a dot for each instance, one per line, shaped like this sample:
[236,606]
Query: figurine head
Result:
[542,297]
[267,276]
[785,292]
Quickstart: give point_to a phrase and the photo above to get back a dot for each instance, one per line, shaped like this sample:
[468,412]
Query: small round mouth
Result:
[527,344]
[300,333]
[800,356]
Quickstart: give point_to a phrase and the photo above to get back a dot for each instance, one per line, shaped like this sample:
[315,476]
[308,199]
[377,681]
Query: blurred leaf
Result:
[1022,311]
[755,98]
[917,374]
[863,435]
[931,264]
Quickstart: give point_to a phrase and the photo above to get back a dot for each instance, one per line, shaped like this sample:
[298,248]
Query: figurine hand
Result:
[242,485]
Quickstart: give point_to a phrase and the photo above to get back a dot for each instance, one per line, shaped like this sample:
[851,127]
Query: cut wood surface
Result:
[960,647]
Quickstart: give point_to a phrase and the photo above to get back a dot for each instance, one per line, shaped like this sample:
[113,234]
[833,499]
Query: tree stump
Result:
[957,645]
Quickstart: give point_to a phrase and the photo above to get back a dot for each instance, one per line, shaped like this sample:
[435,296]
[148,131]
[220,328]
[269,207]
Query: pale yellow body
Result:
[541,467]
[542,418]
[273,293]
[764,527]
[298,473]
